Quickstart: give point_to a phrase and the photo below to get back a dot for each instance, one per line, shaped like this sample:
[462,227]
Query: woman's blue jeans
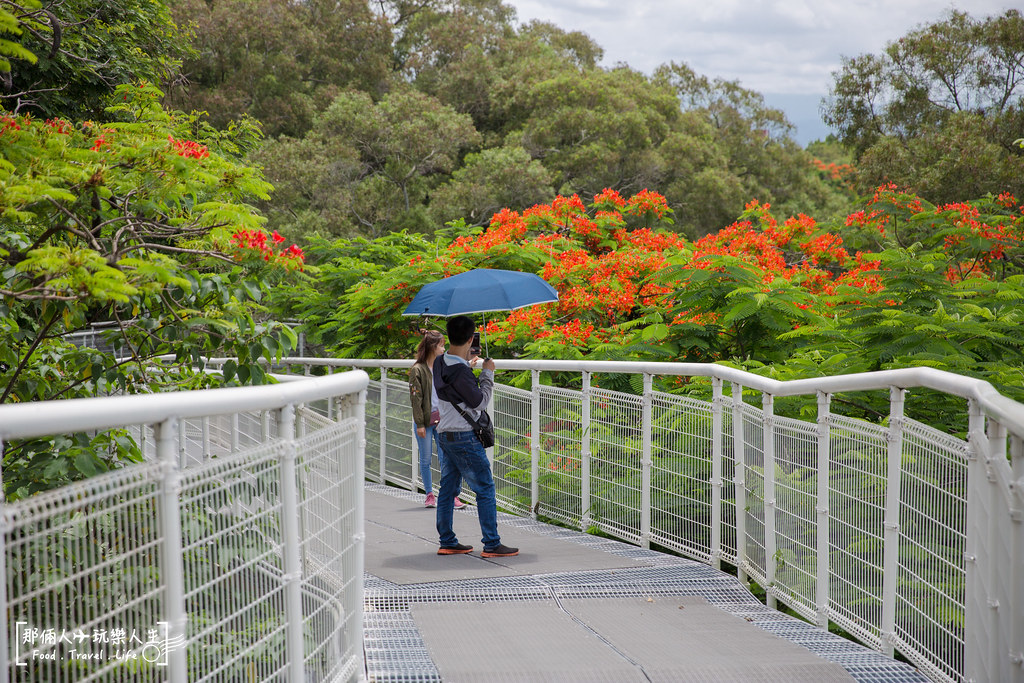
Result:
[465,458]
[423,443]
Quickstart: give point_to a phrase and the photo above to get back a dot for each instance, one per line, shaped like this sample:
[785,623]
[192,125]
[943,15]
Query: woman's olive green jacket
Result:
[420,378]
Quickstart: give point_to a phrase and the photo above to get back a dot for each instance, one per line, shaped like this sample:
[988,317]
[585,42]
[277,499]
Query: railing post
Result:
[535,444]
[823,583]
[234,432]
[770,539]
[739,480]
[490,411]
[976,633]
[206,438]
[996,560]
[585,418]
[414,456]
[292,578]
[330,399]
[716,472]
[383,424]
[891,523]
[171,560]
[1015,567]
[182,442]
[647,431]
[355,603]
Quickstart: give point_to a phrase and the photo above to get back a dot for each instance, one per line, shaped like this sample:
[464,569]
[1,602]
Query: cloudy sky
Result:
[784,49]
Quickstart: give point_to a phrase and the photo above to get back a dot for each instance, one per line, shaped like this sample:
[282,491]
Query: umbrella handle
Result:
[483,335]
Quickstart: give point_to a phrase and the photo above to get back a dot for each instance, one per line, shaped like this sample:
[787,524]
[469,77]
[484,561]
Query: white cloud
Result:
[784,46]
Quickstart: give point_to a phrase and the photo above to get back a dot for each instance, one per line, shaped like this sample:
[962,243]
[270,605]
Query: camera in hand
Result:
[474,348]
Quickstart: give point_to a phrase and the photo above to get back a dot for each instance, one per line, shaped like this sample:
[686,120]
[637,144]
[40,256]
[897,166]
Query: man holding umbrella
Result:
[481,290]
[465,457]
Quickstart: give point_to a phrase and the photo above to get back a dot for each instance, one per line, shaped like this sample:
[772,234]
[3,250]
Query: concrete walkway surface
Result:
[574,607]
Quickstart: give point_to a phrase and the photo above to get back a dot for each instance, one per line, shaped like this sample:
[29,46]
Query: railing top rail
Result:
[1007,411]
[25,420]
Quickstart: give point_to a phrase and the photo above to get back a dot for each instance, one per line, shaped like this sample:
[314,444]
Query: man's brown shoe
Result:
[500,551]
[457,549]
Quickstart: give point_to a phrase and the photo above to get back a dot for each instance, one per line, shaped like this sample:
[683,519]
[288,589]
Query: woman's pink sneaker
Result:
[431,501]
[459,504]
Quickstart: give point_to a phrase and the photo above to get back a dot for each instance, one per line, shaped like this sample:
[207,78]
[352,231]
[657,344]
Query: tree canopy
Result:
[278,61]
[939,109]
[70,54]
[527,100]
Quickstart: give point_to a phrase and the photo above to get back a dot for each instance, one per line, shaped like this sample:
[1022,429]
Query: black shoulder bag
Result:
[483,428]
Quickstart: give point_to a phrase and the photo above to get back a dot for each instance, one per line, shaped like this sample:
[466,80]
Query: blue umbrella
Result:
[481,291]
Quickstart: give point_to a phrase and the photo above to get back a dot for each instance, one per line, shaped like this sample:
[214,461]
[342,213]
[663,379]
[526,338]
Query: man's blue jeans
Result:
[425,448]
[465,458]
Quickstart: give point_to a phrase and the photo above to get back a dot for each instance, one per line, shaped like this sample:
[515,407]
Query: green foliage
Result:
[749,316]
[597,129]
[731,147]
[277,61]
[540,115]
[43,464]
[84,49]
[9,24]
[489,181]
[133,225]
[367,167]
[346,307]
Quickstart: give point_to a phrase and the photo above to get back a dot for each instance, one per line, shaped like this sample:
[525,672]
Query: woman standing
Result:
[425,414]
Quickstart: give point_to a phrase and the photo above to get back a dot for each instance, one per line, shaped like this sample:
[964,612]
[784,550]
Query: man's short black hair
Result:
[460,330]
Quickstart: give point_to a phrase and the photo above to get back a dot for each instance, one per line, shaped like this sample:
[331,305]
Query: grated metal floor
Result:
[395,650]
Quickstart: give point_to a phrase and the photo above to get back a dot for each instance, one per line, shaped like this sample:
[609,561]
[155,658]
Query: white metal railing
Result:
[104,337]
[233,552]
[907,537]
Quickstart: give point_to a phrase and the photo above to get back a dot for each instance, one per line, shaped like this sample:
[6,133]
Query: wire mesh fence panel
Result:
[214,436]
[753,476]
[100,572]
[84,597]
[219,429]
[728,456]
[681,474]
[857,487]
[252,426]
[399,431]
[796,525]
[616,432]
[931,584]
[511,453]
[373,413]
[231,514]
[192,444]
[560,464]
[329,473]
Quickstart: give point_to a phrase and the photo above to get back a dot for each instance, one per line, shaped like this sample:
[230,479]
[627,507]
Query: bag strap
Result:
[465,415]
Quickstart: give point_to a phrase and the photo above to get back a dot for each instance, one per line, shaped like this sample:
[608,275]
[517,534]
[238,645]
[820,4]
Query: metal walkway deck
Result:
[573,607]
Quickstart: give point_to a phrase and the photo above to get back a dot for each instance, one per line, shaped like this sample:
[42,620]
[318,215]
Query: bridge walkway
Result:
[575,607]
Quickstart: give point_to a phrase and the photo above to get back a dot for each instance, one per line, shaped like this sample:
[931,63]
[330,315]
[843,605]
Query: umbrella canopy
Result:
[480,291]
